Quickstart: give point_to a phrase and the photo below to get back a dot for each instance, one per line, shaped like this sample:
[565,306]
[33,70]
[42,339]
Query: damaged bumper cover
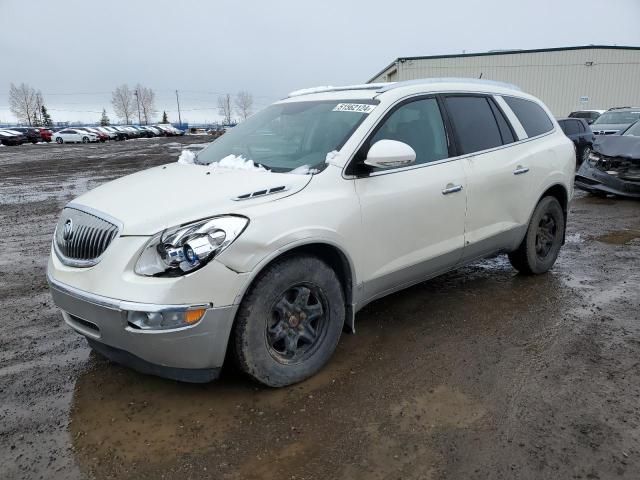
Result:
[616,172]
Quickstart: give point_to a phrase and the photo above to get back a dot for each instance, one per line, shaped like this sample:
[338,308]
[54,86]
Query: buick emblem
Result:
[67,231]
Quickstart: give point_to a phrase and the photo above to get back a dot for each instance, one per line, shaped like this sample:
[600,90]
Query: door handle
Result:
[520,170]
[451,188]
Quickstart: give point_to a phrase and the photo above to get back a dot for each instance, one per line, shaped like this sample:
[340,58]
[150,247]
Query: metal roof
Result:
[504,52]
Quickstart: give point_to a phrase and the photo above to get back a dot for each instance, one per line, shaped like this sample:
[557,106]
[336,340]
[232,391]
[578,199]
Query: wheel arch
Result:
[328,252]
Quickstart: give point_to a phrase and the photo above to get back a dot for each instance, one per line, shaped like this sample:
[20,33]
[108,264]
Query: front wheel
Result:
[538,251]
[59,140]
[85,139]
[290,322]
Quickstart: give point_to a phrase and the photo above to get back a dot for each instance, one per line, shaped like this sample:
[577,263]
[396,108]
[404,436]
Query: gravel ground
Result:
[481,373]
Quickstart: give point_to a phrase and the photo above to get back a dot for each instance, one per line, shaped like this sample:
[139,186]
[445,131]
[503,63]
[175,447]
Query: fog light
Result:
[164,320]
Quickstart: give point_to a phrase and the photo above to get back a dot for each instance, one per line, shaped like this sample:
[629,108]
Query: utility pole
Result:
[178,102]
[138,102]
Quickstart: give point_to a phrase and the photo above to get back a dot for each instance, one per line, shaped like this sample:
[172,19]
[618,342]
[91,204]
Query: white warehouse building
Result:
[566,79]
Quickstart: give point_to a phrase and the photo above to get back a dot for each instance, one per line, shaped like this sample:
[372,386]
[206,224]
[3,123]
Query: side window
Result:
[418,124]
[474,123]
[570,127]
[533,118]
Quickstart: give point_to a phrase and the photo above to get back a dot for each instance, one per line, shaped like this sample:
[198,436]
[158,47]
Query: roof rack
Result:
[621,108]
[328,88]
[386,86]
[426,81]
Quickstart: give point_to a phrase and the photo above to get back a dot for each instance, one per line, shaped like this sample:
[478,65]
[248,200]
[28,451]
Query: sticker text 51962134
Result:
[354,107]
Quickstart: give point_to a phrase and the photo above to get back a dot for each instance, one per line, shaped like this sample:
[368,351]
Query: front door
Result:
[412,217]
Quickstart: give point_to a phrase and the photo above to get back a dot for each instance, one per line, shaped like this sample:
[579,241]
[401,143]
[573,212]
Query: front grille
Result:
[81,238]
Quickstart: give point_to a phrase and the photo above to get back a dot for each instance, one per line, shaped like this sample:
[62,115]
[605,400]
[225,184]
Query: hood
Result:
[625,146]
[150,201]
[609,127]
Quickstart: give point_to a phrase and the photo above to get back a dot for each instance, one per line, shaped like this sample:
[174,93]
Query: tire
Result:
[85,139]
[279,338]
[538,251]
[59,140]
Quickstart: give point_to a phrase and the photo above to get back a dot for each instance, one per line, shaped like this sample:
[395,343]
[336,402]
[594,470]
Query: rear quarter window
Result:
[533,118]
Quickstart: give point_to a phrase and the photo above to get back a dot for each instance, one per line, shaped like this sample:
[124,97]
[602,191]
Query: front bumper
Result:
[596,181]
[193,354]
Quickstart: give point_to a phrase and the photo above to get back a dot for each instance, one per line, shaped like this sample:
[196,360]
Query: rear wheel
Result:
[59,140]
[538,251]
[290,322]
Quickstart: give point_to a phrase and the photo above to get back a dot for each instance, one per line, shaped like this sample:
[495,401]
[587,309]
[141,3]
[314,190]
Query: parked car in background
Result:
[102,137]
[614,165]
[72,135]
[12,138]
[589,115]
[32,133]
[117,133]
[615,119]
[577,129]
[46,134]
[346,195]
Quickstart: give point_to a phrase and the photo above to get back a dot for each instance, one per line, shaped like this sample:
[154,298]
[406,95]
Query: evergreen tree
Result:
[104,120]
[46,118]
[165,119]
[36,122]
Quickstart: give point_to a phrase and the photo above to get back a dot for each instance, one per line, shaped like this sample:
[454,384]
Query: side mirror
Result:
[390,154]
[589,121]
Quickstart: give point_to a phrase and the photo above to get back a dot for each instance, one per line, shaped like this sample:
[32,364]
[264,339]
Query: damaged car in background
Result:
[613,167]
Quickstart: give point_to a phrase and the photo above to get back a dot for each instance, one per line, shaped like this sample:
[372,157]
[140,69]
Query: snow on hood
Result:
[147,202]
[625,146]
[238,162]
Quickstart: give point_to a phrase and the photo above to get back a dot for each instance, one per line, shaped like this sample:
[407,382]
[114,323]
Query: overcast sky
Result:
[76,52]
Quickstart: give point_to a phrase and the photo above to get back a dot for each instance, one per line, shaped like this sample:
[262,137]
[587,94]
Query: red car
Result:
[46,135]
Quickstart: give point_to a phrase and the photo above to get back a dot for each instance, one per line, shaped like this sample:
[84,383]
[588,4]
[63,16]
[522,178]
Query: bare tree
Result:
[147,99]
[123,103]
[37,117]
[224,108]
[23,102]
[244,104]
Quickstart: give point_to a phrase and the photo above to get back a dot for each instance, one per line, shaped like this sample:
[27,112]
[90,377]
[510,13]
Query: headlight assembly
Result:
[593,158]
[183,249]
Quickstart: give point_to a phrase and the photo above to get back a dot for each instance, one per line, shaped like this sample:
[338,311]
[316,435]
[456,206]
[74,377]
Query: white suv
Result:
[273,237]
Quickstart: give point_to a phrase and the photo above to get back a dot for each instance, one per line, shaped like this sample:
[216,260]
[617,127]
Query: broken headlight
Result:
[183,249]
[594,158]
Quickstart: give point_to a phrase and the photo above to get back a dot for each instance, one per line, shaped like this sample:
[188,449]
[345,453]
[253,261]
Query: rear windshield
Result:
[289,136]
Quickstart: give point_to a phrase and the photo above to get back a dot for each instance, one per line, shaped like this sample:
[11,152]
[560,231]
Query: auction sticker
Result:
[354,107]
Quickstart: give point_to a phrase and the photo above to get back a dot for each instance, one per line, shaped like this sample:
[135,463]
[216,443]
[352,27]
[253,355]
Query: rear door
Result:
[412,217]
[500,172]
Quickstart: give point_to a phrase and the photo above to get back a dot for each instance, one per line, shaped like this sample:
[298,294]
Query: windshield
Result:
[287,136]
[633,130]
[617,117]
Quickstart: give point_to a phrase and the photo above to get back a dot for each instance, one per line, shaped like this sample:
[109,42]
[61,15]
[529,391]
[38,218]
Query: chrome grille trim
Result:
[92,233]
